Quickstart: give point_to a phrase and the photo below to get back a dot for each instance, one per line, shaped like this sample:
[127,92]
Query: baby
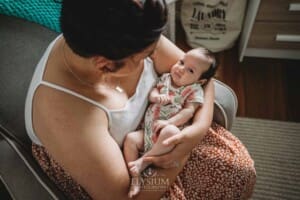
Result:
[174,101]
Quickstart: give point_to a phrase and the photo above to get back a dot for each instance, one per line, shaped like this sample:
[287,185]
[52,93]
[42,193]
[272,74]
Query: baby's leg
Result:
[133,144]
[158,148]
[137,166]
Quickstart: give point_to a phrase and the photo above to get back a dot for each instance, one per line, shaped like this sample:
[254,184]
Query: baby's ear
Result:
[202,81]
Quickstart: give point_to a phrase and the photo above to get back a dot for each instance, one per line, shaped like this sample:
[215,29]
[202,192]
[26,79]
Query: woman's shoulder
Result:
[62,114]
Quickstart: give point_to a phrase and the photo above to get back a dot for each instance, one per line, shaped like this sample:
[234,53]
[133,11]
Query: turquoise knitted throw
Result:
[44,12]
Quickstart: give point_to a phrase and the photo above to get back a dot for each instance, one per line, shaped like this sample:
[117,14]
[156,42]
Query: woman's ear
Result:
[99,62]
[202,81]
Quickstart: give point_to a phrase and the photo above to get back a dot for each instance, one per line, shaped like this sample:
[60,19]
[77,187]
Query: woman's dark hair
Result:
[114,29]
[212,61]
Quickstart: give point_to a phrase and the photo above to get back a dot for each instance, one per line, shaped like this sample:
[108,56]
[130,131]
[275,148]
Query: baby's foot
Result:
[135,186]
[135,167]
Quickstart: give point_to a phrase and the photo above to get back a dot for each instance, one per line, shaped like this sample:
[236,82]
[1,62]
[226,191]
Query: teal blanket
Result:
[44,12]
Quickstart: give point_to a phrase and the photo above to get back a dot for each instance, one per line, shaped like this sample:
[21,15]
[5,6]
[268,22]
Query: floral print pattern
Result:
[179,96]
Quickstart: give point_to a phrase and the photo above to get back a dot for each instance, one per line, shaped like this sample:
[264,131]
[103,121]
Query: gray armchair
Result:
[21,45]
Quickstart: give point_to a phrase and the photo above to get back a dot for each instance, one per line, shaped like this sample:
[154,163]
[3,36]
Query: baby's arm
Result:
[179,119]
[184,115]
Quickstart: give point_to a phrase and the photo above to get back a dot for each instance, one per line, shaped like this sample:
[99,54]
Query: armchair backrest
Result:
[226,105]
[22,44]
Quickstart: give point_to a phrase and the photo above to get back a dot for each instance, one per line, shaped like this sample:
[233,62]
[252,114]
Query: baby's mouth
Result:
[177,74]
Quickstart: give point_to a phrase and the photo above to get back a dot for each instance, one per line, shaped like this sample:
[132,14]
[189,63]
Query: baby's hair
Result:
[212,61]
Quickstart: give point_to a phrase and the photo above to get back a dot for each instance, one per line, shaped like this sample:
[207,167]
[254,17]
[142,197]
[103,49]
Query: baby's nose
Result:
[181,69]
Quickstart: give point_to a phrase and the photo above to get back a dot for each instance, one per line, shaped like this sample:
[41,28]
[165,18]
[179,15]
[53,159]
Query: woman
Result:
[90,89]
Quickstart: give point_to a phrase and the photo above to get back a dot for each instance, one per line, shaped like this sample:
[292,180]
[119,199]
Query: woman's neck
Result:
[84,72]
[80,68]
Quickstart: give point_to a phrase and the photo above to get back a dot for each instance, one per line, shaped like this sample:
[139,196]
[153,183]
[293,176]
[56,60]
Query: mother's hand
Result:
[178,156]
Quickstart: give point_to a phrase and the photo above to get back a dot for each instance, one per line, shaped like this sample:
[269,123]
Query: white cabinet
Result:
[271,29]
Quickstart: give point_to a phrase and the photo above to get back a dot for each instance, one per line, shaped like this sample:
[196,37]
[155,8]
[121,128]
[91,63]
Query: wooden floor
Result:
[266,88]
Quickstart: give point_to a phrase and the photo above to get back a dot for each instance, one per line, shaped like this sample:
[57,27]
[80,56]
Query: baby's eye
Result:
[190,70]
[181,62]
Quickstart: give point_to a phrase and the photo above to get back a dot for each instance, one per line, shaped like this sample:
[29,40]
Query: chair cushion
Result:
[22,44]
[22,176]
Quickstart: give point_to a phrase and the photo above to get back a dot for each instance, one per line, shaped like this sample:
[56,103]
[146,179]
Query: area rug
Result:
[275,148]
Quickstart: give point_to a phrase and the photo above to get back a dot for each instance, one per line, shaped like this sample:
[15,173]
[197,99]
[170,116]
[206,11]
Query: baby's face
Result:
[189,69]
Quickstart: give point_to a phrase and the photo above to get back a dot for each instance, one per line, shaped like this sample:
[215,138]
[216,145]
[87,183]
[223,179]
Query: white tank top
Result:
[121,121]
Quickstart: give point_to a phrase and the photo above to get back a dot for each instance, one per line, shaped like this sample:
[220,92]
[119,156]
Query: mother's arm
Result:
[165,55]
[75,133]
[203,117]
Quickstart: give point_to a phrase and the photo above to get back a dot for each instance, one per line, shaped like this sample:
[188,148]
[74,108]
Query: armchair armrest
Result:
[21,176]
[225,106]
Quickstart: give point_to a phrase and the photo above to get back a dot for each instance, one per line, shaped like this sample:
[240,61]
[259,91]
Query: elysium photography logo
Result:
[151,181]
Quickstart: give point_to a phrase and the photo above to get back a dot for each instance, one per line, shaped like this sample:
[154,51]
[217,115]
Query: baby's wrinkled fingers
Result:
[166,98]
[158,99]
[169,99]
[165,101]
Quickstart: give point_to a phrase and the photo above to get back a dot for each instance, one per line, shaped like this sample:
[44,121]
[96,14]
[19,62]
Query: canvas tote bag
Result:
[214,24]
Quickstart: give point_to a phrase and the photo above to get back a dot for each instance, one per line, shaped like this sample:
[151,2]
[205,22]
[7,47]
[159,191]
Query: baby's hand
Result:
[159,124]
[162,99]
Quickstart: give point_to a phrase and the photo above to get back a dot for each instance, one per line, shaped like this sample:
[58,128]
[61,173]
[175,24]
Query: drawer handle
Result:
[294,7]
[287,38]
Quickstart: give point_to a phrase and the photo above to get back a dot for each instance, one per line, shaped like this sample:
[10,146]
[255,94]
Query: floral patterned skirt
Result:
[220,167]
